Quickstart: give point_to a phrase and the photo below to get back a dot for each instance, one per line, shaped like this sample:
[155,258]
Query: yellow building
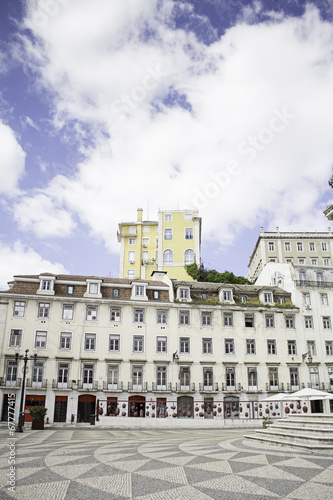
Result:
[163,245]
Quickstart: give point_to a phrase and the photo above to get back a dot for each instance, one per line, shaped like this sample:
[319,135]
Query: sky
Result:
[107,106]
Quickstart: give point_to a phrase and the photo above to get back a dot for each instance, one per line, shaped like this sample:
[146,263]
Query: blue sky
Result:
[107,106]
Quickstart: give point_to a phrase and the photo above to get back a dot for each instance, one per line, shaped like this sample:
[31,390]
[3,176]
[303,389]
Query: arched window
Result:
[167,257]
[189,256]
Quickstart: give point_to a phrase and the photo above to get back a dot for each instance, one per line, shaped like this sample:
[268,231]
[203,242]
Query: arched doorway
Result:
[86,407]
[185,407]
[136,406]
[231,407]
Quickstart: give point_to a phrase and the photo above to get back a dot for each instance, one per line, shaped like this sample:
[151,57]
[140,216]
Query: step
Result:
[282,442]
[296,436]
[291,429]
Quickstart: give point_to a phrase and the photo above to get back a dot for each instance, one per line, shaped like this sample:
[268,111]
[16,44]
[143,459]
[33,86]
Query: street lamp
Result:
[20,425]
[175,357]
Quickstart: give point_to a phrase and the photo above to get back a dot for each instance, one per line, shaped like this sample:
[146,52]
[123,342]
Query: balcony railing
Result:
[88,387]
[232,388]
[61,385]
[161,388]
[138,387]
[4,382]
[36,384]
[209,388]
[315,284]
[185,388]
[112,387]
[275,388]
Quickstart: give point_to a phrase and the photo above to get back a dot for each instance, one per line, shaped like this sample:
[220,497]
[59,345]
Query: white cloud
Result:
[107,73]
[19,259]
[12,162]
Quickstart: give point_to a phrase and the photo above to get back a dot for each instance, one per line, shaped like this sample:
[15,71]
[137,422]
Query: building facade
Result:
[164,245]
[158,348]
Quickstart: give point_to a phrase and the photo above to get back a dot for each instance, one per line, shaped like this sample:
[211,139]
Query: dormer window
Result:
[139,291]
[268,299]
[46,286]
[183,293]
[93,288]
[227,295]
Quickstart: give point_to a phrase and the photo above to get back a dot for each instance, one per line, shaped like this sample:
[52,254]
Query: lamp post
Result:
[20,425]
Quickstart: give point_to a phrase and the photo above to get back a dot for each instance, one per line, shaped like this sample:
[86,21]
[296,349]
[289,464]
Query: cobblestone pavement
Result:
[86,464]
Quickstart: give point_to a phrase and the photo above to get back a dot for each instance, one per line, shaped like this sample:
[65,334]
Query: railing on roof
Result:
[315,284]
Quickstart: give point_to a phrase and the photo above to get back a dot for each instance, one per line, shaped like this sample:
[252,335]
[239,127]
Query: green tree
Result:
[200,273]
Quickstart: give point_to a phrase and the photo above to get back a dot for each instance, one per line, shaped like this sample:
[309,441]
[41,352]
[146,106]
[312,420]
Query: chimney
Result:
[140,214]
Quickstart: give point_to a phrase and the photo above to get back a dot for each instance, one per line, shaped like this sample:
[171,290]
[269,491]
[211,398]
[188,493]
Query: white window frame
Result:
[189,233]
[66,310]
[184,345]
[43,310]
[206,318]
[161,316]
[138,343]
[19,309]
[114,342]
[15,334]
[115,314]
[90,342]
[161,344]
[184,317]
[168,234]
[91,313]
[65,340]
[40,339]
[139,315]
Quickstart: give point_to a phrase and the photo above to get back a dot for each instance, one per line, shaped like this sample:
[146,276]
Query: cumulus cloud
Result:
[240,127]
[12,162]
[19,259]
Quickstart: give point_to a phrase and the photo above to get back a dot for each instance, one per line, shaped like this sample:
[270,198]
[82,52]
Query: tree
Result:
[200,273]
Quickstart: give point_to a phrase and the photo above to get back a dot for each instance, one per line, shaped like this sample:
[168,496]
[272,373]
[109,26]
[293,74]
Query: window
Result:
[68,311]
[308,321]
[161,316]
[168,217]
[15,338]
[290,323]
[329,347]
[327,322]
[132,241]
[19,309]
[299,246]
[91,313]
[63,373]
[228,319]
[70,290]
[268,298]
[188,233]
[311,345]
[88,374]
[37,372]
[252,378]
[326,262]
[206,318]
[229,346]
[139,290]
[93,288]
[294,378]
[249,320]
[137,375]
[287,246]
[184,317]
[115,293]
[114,343]
[189,256]
[184,376]
[302,277]
[242,298]
[301,261]
[250,346]
[271,347]
[138,343]
[46,285]
[314,262]
[312,246]
[40,340]
[132,230]
[207,372]
[188,216]
[168,234]
[161,376]
[207,346]
[139,315]
[156,294]
[131,256]
[90,341]
[330,376]
[130,274]
[269,321]
[227,295]
[156,242]
[282,300]
[204,296]
[145,257]
[145,229]
[289,261]
[115,314]
[324,299]
[306,299]
[273,377]
[11,373]
[145,241]
[113,371]
[314,377]
[271,246]
[65,340]
[161,344]
[184,293]
[230,376]
[184,345]
[324,246]
[167,257]
[291,347]
[43,310]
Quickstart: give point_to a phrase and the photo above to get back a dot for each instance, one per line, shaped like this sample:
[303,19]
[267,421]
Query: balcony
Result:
[161,388]
[62,385]
[314,284]
[83,386]
[137,387]
[209,388]
[4,382]
[34,384]
[185,388]
[232,388]
[112,387]
[274,388]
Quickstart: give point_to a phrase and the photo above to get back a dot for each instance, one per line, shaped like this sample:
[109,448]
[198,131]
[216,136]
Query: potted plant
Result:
[37,414]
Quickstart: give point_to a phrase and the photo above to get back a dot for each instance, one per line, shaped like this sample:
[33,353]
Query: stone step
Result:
[299,429]
[284,442]
[296,436]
